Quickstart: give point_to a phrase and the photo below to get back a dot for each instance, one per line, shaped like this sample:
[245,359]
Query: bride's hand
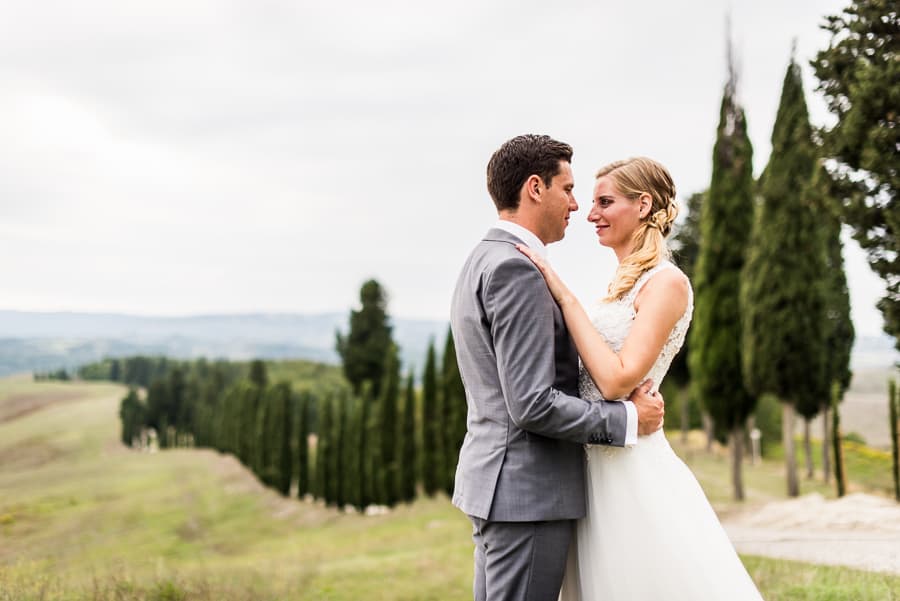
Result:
[558,289]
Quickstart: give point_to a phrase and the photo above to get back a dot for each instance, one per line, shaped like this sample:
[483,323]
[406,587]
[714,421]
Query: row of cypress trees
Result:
[371,365]
[772,305]
[180,400]
[364,447]
[444,407]
[363,456]
[259,423]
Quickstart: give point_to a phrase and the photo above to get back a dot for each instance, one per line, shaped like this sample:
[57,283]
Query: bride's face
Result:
[614,215]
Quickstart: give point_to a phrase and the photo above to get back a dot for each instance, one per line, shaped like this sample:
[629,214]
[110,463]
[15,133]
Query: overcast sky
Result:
[193,157]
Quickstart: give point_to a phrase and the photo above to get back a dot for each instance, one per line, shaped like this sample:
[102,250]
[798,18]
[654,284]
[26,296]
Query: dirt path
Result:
[860,531]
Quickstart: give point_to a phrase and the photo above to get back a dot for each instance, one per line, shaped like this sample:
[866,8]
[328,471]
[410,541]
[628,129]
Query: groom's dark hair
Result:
[517,160]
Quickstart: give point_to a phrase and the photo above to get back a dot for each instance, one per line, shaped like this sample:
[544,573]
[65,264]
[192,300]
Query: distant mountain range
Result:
[49,341]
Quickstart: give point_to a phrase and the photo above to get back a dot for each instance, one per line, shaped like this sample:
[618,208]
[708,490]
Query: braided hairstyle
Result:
[633,177]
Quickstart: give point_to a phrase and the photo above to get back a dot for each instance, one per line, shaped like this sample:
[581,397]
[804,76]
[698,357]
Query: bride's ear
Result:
[646,204]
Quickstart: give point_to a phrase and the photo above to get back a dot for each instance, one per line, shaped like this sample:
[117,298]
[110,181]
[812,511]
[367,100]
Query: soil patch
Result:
[859,530]
[19,405]
[28,454]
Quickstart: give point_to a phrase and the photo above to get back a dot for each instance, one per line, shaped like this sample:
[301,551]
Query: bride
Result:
[650,532]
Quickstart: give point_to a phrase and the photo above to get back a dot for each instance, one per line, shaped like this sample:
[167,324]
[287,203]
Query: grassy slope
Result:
[83,518]
[306,374]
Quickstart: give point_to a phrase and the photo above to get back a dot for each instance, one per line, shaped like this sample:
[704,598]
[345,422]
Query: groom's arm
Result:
[519,309]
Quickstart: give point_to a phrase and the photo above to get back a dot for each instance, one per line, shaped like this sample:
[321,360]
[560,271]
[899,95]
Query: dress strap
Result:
[645,277]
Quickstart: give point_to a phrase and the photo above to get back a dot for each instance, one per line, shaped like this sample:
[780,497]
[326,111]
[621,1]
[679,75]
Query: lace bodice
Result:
[614,319]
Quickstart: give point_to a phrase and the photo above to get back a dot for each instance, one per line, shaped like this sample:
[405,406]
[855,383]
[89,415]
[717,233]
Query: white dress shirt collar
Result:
[525,235]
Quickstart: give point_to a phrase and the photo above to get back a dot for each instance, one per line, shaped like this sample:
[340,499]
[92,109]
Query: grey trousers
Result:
[520,561]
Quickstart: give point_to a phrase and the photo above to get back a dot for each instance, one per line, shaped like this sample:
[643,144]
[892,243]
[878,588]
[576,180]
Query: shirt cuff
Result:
[631,424]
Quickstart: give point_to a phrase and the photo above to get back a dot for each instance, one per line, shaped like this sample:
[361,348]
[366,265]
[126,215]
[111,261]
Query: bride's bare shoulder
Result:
[669,285]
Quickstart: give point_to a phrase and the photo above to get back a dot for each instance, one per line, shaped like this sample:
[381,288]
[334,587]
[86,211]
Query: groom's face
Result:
[558,201]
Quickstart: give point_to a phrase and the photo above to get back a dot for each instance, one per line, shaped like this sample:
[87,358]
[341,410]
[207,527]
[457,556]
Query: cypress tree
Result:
[839,331]
[131,417]
[858,75]
[212,403]
[164,438]
[258,374]
[366,462]
[203,416]
[156,403]
[224,439]
[338,467]
[261,450]
[239,426]
[271,434]
[352,459]
[407,440]
[249,423]
[282,432]
[390,391]
[374,466]
[302,429]
[233,425]
[432,451]
[686,247]
[783,299]
[158,410]
[365,346]
[455,411]
[715,337]
[324,446]
[894,414]
[836,440]
[373,458]
[177,411]
[157,367]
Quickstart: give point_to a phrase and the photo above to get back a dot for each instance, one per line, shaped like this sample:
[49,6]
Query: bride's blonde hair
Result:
[633,177]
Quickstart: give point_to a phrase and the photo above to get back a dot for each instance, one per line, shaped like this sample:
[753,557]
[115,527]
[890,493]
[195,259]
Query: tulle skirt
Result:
[650,533]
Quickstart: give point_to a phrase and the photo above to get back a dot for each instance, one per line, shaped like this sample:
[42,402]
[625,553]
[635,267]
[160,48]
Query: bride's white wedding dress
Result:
[650,532]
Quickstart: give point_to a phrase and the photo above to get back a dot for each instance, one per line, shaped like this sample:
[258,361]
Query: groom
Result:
[520,476]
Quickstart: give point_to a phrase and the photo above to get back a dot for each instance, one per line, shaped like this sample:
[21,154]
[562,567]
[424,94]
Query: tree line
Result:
[772,313]
[373,439]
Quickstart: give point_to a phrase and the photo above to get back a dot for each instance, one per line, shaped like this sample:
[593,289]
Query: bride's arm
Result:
[660,303]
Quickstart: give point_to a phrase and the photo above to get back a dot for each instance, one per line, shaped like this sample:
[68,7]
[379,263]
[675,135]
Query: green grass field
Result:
[83,518]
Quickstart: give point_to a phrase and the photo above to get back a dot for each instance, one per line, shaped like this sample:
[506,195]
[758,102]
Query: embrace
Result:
[622,518]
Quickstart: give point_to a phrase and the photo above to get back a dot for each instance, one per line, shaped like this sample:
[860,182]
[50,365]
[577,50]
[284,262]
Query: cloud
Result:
[229,156]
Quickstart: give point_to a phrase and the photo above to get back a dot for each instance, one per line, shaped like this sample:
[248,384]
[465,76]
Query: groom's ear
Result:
[534,187]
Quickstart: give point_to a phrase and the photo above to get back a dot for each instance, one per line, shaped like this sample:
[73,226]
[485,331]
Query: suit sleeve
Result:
[519,307]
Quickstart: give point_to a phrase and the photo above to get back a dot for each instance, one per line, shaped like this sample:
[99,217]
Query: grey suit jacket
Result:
[522,458]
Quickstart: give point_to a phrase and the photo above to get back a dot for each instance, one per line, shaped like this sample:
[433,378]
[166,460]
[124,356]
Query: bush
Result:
[854,437]
[768,419]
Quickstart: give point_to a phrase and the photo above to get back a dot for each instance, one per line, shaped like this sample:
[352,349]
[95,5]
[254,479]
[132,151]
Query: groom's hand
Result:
[650,408]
